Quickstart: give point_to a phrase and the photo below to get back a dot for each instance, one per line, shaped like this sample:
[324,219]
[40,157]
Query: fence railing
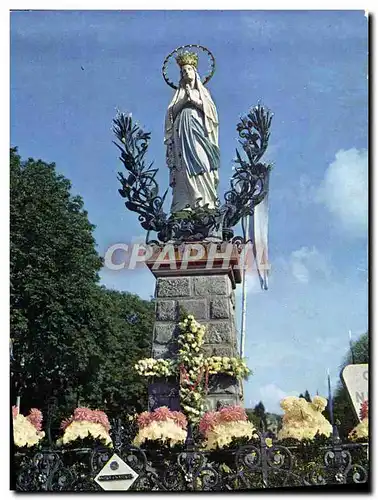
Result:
[257,465]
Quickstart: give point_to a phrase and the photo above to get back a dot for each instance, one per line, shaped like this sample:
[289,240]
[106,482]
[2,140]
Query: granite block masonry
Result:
[209,296]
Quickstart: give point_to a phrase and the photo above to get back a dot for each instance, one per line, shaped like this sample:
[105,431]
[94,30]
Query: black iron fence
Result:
[258,464]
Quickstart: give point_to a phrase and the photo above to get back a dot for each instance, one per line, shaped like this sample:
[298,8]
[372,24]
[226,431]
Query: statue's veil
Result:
[209,109]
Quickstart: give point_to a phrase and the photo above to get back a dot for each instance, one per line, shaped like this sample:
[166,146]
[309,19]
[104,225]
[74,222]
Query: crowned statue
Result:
[193,159]
[191,139]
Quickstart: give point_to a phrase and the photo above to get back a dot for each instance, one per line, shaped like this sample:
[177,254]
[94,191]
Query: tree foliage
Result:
[70,337]
[128,321]
[306,396]
[359,352]
[252,417]
[260,413]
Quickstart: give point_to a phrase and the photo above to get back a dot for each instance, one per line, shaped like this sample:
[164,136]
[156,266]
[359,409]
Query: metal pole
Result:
[330,400]
[244,295]
[351,346]
[18,403]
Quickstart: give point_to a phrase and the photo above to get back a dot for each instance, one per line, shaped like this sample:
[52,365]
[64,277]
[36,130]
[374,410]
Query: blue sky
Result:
[308,67]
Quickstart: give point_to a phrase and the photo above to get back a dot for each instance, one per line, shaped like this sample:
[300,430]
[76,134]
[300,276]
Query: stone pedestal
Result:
[208,294]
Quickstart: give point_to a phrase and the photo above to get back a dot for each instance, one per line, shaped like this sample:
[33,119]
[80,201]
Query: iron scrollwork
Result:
[249,183]
[140,187]
[254,465]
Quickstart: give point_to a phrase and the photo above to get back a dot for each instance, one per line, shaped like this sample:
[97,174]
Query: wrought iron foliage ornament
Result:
[140,187]
[248,184]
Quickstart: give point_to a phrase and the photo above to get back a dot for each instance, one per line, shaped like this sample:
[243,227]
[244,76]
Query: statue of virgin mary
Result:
[191,137]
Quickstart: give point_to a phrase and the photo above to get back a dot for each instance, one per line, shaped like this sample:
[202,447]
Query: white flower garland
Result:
[150,367]
[235,367]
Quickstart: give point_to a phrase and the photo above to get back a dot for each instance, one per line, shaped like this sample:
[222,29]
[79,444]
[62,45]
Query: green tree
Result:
[53,267]
[126,324]
[259,411]
[342,406]
[71,338]
[306,396]
[252,417]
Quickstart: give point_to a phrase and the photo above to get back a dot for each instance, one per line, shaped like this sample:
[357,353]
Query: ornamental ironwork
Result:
[257,464]
[248,184]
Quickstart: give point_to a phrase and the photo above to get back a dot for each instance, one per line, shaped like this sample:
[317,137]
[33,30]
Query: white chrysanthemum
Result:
[167,432]
[222,435]
[82,429]
[24,432]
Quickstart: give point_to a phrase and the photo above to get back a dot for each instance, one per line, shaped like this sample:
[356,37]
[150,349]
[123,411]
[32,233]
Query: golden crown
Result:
[187,58]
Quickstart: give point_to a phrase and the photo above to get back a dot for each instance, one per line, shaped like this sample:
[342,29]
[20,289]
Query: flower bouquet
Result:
[226,428]
[304,420]
[361,431]
[27,431]
[305,427]
[161,429]
[83,427]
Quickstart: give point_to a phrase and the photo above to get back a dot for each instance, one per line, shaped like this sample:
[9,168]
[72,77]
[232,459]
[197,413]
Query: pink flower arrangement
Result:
[232,414]
[162,414]
[364,411]
[208,422]
[35,417]
[225,415]
[81,414]
[143,419]
[221,428]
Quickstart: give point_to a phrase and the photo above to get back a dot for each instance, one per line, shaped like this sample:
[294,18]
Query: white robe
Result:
[192,151]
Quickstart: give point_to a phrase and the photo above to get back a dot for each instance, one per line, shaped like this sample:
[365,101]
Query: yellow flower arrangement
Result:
[193,368]
[235,367]
[162,425]
[360,431]
[223,434]
[303,420]
[193,371]
[220,428]
[25,433]
[86,423]
[83,429]
[167,432]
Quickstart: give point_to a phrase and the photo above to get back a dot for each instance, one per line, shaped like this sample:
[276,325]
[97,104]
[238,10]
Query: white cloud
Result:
[271,395]
[344,190]
[306,263]
[299,270]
